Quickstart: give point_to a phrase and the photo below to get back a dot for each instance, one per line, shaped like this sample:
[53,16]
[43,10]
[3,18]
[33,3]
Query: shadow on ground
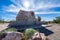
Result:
[42,29]
[45,31]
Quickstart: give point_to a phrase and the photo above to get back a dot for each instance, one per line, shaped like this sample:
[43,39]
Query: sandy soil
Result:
[3,26]
[56,29]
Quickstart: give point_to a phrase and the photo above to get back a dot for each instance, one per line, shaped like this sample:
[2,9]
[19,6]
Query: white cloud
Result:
[13,16]
[34,6]
[45,6]
[47,12]
[19,5]
[11,8]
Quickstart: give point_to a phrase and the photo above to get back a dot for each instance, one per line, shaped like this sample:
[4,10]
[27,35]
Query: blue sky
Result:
[46,9]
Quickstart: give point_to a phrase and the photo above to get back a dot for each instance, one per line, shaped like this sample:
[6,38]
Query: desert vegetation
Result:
[39,18]
[56,20]
[27,34]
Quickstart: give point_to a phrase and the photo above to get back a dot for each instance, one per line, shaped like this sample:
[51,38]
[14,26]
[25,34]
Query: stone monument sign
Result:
[25,18]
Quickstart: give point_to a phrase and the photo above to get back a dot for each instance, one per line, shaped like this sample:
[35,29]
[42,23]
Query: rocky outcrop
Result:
[20,36]
[13,36]
[38,36]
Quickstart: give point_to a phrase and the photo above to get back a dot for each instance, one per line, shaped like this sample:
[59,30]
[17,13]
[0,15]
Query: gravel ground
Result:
[52,27]
[3,26]
[56,29]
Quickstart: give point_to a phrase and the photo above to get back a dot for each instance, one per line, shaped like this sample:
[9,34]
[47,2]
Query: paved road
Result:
[3,26]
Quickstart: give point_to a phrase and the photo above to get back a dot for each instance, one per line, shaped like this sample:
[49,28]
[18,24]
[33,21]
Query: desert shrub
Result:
[2,35]
[57,20]
[29,32]
[39,18]
[9,30]
[3,32]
